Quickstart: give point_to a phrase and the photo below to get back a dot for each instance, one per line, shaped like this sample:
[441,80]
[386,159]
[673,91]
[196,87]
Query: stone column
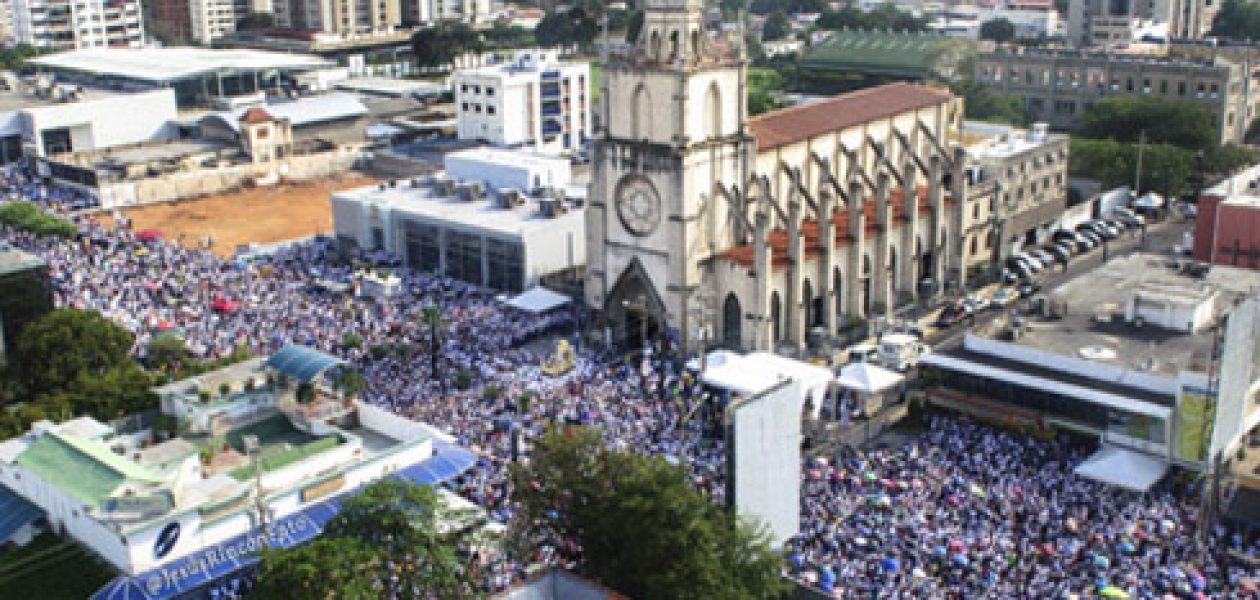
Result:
[827,262]
[909,261]
[879,269]
[793,305]
[857,233]
[759,306]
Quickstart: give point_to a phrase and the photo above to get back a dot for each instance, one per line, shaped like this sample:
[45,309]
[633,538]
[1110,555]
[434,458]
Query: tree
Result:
[981,103]
[431,317]
[637,523]
[390,540]
[305,392]
[256,21]
[68,345]
[321,570]
[777,26]
[24,297]
[998,30]
[1165,168]
[1237,19]
[763,87]
[1183,123]
[165,351]
[438,46]
[573,26]
[12,58]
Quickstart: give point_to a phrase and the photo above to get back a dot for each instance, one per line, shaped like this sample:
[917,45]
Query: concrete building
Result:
[175,509]
[433,11]
[495,218]
[347,18]
[1019,184]
[300,139]
[64,24]
[197,20]
[1031,21]
[1057,86]
[1118,22]
[1227,229]
[41,117]
[1134,352]
[757,233]
[882,55]
[536,101]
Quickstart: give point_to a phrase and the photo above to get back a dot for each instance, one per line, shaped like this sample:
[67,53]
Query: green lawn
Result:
[51,568]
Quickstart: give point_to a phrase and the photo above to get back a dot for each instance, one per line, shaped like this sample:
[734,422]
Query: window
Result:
[489,91]
[463,257]
[489,109]
[464,107]
[975,211]
[1181,88]
[477,108]
[423,245]
[1163,87]
[975,244]
[504,260]
[464,88]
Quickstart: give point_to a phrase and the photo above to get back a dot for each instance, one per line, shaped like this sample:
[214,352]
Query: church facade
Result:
[751,232]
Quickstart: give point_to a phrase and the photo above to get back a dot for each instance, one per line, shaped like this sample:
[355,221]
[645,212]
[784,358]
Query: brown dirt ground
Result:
[254,215]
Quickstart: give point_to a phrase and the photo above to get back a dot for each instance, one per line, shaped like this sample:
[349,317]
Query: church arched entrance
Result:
[732,319]
[634,311]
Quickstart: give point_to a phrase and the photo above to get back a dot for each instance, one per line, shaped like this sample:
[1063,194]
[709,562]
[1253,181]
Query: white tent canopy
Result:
[867,378]
[538,299]
[1123,468]
[757,372]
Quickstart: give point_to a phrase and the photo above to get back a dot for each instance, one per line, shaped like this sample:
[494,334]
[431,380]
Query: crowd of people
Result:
[962,511]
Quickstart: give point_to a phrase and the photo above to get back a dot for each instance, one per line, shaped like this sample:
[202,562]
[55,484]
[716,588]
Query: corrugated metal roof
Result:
[304,111]
[86,470]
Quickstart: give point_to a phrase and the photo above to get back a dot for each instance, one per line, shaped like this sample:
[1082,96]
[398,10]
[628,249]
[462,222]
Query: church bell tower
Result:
[674,115]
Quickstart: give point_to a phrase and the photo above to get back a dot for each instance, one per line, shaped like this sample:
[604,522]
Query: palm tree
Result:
[431,315]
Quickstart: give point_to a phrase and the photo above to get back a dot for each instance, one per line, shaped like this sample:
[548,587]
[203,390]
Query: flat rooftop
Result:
[1106,290]
[992,141]
[24,96]
[147,153]
[425,202]
[389,86]
[162,65]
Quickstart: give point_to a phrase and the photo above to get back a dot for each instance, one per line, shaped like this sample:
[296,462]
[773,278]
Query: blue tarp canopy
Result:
[301,362]
[190,572]
[15,513]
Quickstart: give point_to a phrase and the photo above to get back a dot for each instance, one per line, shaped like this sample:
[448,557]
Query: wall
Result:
[560,246]
[765,459]
[390,424]
[148,117]
[1237,227]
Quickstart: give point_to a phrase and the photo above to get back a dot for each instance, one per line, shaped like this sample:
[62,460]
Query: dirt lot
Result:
[256,215]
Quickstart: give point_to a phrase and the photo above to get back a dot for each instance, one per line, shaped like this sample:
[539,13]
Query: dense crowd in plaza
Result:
[962,511]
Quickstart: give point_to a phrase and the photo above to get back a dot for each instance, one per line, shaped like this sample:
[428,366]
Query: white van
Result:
[900,351]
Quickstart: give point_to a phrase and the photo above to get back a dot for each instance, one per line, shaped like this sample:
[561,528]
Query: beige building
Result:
[1058,85]
[757,232]
[342,17]
[1017,190]
[1118,22]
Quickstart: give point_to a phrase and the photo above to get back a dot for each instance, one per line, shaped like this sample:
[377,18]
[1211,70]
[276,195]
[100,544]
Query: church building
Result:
[749,233]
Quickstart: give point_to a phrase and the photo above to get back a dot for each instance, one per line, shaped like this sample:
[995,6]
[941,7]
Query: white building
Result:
[66,24]
[512,219]
[433,11]
[41,117]
[174,512]
[535,101]
[965,20]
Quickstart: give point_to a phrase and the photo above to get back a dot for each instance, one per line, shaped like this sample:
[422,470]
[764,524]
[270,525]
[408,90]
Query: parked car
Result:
[1061,252]
[1020,268]
[1065,235]
[974,303]
[1028,288]
[1033,264]
[952,314]
[863,353]
[1046,258]
[1130,219]
[899,351]
[1003,297]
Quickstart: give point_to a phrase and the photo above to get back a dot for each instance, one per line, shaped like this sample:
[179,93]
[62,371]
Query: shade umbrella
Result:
[961,560]
[1112,591]
[149,234]
[889,565]
[1126,547]
[1102,561]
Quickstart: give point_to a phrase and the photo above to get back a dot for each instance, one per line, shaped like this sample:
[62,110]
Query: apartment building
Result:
[342,17]
[73,24]
[1018,185]
[535,101]
[432,11]
[199,20]
[1112,22]
[1058,85]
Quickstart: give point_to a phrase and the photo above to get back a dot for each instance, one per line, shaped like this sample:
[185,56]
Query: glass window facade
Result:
[423,246]
[505,265]
[463,257]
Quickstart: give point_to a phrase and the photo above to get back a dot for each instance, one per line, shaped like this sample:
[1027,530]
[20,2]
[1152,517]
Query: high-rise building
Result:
[536,100]
[1108,22]
[432,11]
[72,24]
[343,17]
[201,20]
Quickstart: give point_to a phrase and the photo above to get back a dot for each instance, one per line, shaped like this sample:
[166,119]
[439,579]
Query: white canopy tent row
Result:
[747,374]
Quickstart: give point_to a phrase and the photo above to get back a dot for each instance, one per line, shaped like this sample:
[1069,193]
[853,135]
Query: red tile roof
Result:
[779,259]
[799,123]
[256,115]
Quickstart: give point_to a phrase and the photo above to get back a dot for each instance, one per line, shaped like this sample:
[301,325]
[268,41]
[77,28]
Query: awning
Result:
[538,299]
[301,362]
[15,513]
[197,569]
[867,378]
[1124,468]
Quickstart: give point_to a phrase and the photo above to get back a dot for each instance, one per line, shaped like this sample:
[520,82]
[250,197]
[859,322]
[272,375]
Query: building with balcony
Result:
[1118,22]
[72,24]
[1057,86]
[433,11]
[535,101]
[345,18]
[200,21]
[1019,182]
